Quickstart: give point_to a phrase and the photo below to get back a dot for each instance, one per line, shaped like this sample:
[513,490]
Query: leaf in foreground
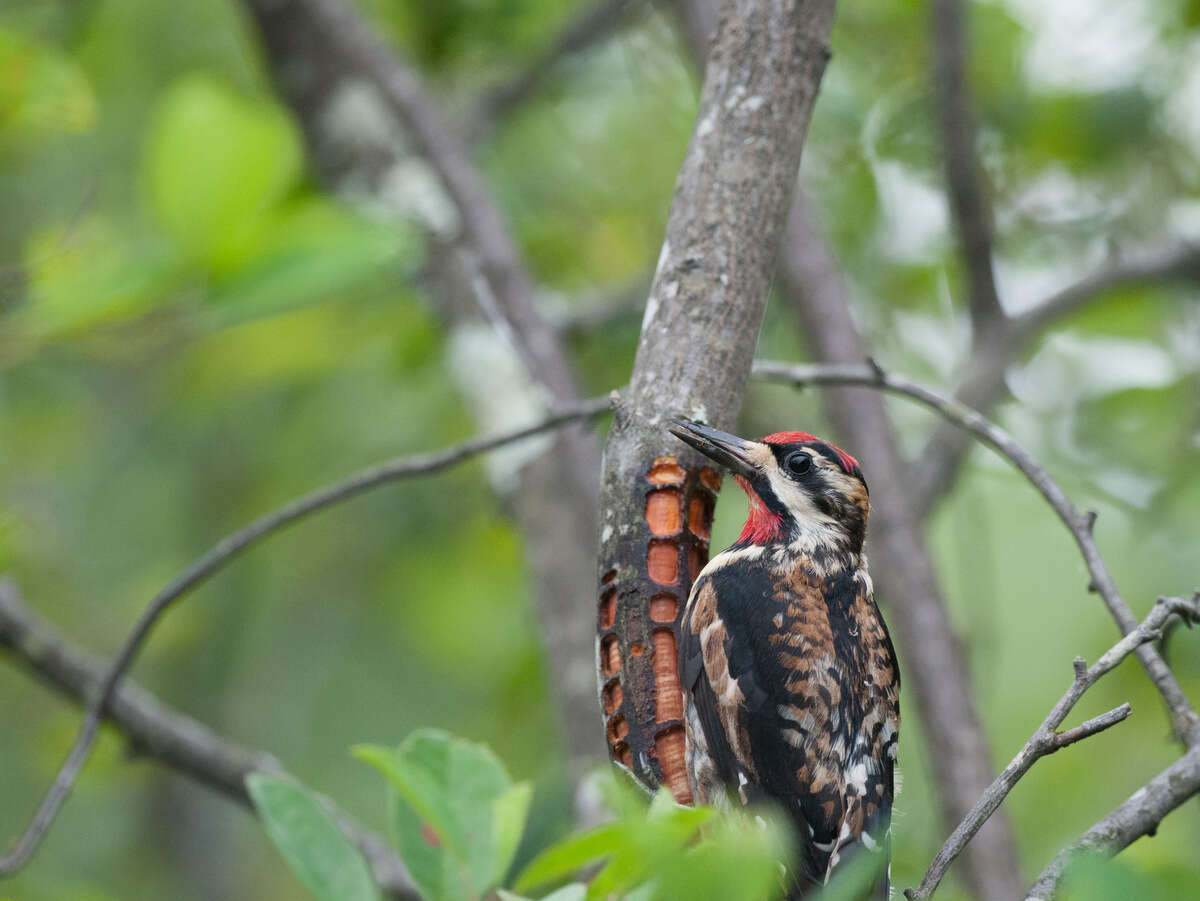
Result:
[309,840]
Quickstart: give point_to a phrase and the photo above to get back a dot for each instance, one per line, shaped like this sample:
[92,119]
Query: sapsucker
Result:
[790,680]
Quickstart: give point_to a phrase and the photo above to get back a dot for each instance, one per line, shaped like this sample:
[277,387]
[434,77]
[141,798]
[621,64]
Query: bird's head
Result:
[800,487]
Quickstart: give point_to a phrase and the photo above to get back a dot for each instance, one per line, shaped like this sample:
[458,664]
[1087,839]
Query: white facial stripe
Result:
[796,499]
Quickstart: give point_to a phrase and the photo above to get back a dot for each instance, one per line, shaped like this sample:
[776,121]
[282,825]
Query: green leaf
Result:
[573,852]
[420,791]
[576,891]
[634,846]
[438,873]
[737,860]
[216,165]
[309,840]
[509,812]
[458,818]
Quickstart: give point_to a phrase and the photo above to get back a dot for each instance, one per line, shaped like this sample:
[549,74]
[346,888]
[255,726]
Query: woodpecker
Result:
[791,687]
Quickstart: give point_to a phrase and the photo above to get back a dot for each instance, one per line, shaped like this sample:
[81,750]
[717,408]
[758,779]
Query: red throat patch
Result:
[849,464]
[761,525]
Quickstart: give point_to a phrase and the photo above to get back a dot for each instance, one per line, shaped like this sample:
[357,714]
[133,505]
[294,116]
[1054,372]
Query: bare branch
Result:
[1139,815]
[1046,740]
[938,464]
[1175,262]
[226,550]
[964,181]
[157,732]
[594,24]
[360,108]
[1184,719]
[814,290]
[1091,727]
[698,335]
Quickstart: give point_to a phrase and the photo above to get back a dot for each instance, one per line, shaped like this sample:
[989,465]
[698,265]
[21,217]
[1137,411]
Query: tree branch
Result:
[594,24]
[359,107]
[1046,740]
[814,290]
[937,466]
[1184,719]
[698,334]
[964,181]
[1177,262]
[157,732]
[1139,815]
[226,550]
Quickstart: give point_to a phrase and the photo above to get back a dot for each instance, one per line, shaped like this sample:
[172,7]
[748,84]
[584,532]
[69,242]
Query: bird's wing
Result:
[793,684]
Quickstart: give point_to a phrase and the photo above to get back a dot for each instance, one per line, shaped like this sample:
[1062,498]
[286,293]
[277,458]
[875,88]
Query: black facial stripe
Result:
[826,503]
[762,487]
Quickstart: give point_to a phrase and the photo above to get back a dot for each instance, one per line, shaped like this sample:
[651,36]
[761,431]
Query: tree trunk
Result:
[698,337]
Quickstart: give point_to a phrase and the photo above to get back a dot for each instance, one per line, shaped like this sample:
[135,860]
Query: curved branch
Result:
[1182,261]
[1046,740]
[226,550]
[156,731]
[1184,719]
[939,462]
[1139,815]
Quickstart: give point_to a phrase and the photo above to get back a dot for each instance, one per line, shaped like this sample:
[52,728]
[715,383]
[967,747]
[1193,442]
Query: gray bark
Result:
[698,336]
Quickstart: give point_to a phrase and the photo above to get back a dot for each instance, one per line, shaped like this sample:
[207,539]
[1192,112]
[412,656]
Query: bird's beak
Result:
[728,450]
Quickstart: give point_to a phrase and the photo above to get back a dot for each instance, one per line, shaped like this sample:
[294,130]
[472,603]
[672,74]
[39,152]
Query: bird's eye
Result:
[798,463]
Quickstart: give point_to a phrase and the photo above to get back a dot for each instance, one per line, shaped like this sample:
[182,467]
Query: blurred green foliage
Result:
[193,330]
[457,819]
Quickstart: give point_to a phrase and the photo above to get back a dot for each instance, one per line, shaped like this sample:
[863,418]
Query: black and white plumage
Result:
[790,680]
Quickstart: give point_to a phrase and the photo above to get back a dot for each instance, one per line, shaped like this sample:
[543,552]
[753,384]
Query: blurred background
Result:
[194,329]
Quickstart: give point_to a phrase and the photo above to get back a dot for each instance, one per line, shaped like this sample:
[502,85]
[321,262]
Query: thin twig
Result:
[157,732]
[964,181]
[230,547]
[1046,740]
[1138,815]
[1184,719]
